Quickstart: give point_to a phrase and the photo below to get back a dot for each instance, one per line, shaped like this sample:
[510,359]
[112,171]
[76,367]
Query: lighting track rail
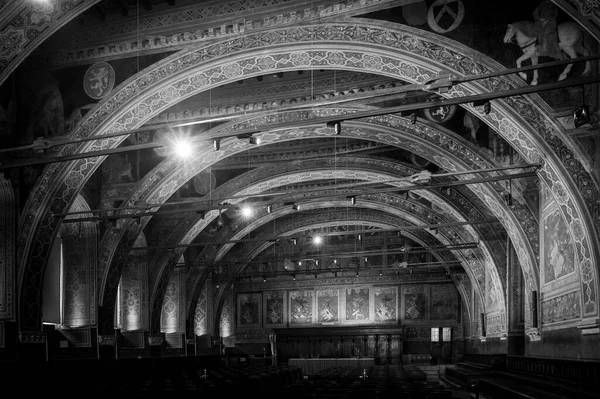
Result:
[479,98]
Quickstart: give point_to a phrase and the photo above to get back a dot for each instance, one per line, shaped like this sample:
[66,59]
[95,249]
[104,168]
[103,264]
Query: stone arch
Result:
[387,49]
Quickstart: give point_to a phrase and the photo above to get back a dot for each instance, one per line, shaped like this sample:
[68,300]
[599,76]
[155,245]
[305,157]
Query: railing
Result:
[496,361]
[577,371]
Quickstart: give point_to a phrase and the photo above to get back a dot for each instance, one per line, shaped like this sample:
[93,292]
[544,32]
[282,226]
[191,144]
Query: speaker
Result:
[534,308]
[483,324]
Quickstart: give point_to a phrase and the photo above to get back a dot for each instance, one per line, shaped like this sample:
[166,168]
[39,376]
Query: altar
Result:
[313,365]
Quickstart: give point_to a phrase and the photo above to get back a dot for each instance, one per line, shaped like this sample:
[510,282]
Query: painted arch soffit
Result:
[369,169]
[337,217]
[176,174]
[195,70]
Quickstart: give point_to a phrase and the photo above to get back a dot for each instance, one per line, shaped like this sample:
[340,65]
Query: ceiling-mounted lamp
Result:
[336,125]
[220,221]
[581,115]
[508,195]
[269,208]
[487,106]
[217,144]
[251,139]
[352,199]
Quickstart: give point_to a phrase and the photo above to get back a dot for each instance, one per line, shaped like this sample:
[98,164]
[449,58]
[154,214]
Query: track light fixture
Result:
[487,106]
[336,125]
[250,137]
[581,115]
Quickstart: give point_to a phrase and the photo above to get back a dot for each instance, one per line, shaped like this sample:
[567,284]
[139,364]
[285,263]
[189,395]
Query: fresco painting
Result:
[415,303]
[249,310]
[444,302]
[327,306]
[559,251]
[357,304]
[274,308]
[301,307]
[385,299]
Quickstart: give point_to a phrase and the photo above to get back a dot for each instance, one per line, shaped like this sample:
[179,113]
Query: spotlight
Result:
[413,118]
[352,200]
[296,207]
[294,277]
[337,126]
[356,274]
[217,144]
[269,208]
[360,237]
[294,241]
[264,279]
[254,140]
[487,106]
[581,116]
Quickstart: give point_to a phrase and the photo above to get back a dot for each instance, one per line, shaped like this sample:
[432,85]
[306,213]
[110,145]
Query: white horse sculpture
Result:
[570,41]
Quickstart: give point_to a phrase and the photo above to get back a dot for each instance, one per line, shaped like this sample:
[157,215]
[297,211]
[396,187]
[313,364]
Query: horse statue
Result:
[570,41]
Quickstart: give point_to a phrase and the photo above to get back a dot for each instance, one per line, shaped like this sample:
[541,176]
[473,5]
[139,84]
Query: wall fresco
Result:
[444,302]
[274,308]
[328,306]
[561,308]
[415,300]
[249,310]
[386,303]
[301,307]
[357,304]
[559,252]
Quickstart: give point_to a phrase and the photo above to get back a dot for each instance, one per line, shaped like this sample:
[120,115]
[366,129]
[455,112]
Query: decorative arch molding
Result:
[387,49]
[26,24]
[8,216]
[337,217]
[203,159]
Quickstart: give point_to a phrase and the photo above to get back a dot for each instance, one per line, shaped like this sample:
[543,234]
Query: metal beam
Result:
[318,120]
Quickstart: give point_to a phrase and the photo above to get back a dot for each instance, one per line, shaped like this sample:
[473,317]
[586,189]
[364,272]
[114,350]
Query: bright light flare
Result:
[247,211]
[318,240]
[182,148]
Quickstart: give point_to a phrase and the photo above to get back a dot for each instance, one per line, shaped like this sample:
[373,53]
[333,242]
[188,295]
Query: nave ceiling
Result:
[287,81]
